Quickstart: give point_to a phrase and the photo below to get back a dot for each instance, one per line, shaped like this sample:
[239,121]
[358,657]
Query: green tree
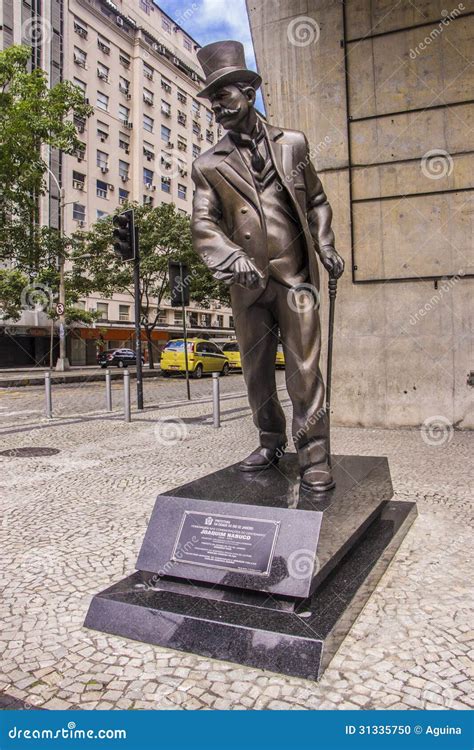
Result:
[164,235]
[32,117]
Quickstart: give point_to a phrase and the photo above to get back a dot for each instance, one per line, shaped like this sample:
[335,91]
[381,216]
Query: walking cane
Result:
[332,286]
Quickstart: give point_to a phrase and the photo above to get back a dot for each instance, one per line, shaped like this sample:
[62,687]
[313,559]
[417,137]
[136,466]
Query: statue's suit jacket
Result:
[227,222]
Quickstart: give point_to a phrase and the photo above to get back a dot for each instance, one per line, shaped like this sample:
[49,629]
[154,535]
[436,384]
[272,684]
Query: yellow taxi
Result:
[203,356]
[232,352]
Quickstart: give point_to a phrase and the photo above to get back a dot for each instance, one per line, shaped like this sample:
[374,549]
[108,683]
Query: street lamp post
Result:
[62,363]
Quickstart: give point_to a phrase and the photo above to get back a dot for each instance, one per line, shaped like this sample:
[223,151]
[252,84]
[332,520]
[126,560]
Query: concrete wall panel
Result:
[387,75]
[410,136]
[379,16]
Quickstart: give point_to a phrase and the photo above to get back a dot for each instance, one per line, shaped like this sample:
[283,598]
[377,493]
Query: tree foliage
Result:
[32,117]
[164,235]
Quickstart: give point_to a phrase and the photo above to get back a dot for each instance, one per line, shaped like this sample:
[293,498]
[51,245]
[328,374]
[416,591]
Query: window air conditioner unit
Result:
[104,170]
[111,187]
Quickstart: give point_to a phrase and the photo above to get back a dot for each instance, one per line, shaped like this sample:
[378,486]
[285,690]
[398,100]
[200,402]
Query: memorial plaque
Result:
[227,542]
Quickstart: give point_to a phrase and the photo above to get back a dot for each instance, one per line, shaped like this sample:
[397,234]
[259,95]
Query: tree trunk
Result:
[151,361]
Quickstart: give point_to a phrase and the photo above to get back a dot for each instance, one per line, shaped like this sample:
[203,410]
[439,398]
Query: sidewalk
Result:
[90,374]
[73,524]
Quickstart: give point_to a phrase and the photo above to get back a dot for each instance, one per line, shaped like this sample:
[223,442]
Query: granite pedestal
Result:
[248,568]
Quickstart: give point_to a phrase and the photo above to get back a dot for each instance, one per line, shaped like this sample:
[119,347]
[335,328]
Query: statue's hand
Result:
[332,261]
[246,273]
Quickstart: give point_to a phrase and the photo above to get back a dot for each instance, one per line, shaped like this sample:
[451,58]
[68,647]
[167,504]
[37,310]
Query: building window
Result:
[231,321]
[187,44]
[177,318]
[165,24]
[148,176]
[78,212]
[145,5]
[220,321]
[147,200]
[148,151]
[166,85]
[182,117]
[101,189]
[209,136]
[148,97]
[123,196]
[148,71]
[181,96]
[103,44]
[124,142]
[182,143]
[196,107]
[166,184]
[124,312]
[124,59]
[80,57]
[209,116]
[102,159]
[123,113]
[101,214]
[123,169]
[165,108]
[196,151]
[80,85]
[80,28]
[103,310]
[78,180]
[165,134]
[124,85]
[206,320]
[102,131]
[102,101]
[103,72]
[182,190]
[148,123]
[196,128]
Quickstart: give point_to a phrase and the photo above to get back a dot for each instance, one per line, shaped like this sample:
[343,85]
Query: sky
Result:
[212,20]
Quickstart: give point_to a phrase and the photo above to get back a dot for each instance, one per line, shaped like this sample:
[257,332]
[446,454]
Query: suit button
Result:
[247,235]
[244,210]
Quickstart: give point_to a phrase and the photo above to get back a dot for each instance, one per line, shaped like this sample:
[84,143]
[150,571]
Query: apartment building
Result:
[138,68]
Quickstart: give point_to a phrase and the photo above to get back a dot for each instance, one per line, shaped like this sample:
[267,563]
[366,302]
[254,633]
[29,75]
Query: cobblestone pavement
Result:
[72,524]
[26,404]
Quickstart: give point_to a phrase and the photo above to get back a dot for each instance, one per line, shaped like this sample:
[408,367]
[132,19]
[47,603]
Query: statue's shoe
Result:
[318,478]
[261,458]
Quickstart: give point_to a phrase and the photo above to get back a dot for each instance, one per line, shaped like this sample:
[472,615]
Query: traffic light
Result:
[124,235]
[179,281]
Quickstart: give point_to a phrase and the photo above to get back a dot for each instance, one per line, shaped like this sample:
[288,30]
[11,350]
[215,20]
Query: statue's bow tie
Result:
[257,160]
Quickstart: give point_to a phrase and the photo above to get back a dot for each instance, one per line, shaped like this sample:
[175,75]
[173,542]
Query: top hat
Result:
[224,62]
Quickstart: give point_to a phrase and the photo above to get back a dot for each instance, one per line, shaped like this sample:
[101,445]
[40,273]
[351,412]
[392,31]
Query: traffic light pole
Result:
[185,333]
[138,335]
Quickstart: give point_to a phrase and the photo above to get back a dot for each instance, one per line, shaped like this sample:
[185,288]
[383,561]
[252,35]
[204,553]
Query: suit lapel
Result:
[282,155]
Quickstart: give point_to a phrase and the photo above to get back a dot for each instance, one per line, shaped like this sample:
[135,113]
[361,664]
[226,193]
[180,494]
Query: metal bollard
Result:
[126,396]
[49,399]
[216,403]
[108,389]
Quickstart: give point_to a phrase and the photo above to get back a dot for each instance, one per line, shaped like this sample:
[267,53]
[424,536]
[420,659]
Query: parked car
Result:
[203,356]
[232,351]
[117,357]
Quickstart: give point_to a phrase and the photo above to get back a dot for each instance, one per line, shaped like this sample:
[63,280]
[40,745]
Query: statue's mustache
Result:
[226,112]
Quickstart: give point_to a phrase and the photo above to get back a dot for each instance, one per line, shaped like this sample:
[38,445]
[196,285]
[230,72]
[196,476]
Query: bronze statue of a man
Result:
[260,216]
